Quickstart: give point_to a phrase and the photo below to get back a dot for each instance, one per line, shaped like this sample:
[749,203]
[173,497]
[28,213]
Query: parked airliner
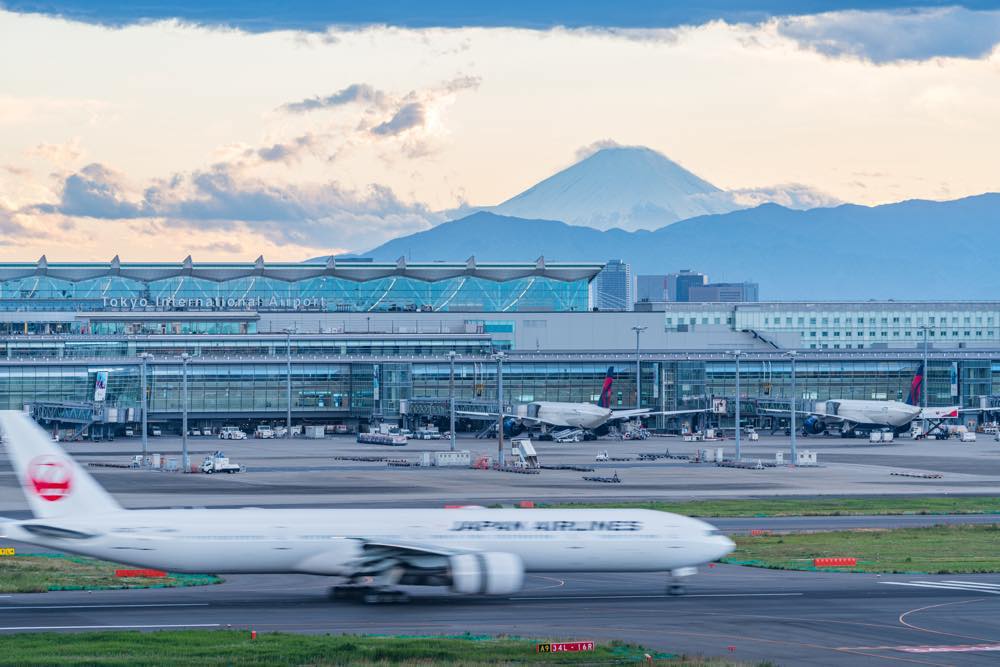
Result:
[594,417]
[469,551]
[858,417]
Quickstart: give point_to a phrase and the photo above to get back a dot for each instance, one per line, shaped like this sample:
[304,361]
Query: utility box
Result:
[315,432]
[806,458]
[425,459]
[720,455]
[461,458]
[779,458]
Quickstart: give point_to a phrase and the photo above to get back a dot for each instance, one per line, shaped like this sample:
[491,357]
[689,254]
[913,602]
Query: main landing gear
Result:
[676,585]
[369,594]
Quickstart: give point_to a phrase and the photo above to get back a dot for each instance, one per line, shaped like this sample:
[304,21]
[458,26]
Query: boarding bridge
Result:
[83,415]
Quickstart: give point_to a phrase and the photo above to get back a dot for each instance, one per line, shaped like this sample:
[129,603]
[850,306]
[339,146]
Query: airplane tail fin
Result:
[916,386]
[604,401]
[54,484]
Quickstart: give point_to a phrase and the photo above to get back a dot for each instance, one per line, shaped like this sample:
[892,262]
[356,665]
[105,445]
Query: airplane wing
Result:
[629,414]
[379,557]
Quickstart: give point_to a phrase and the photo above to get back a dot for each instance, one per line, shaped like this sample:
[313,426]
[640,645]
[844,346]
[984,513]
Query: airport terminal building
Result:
[362,341]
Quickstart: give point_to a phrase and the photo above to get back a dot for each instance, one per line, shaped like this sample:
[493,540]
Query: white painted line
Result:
[112,627]
[679,597]
[939,586]
[981,584]
[970,648]
[104,606]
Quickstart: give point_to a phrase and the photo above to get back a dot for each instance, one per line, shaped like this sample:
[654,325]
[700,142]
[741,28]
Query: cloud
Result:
[585,152]
[222,198]
[288,151]
[789,195]
[63,154]
[889,36]
[356,92]
[408,116]
[12,231]
[95,192]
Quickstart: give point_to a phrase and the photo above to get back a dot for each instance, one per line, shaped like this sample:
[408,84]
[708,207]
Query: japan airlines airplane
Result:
[588,416]
[469,551]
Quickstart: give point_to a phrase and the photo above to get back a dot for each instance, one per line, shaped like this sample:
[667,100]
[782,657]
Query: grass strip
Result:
[176,648]
[941,549]
[833,506]
[38,573]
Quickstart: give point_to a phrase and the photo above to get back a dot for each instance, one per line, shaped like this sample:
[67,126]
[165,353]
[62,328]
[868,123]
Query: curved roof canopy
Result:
[358,271]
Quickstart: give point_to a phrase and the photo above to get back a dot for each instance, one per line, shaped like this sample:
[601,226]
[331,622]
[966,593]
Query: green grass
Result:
[952,549]
[234,647]
[834,506]
[38,573]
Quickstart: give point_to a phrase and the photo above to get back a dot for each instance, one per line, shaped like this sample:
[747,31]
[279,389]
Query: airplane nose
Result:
[724,545]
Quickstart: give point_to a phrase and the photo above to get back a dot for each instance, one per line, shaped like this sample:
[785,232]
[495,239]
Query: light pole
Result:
[736,355]
[288,383]
[791,355]
[451,398]
[638,374]
[499,357]
[924,380]
[143,370]
[185,461]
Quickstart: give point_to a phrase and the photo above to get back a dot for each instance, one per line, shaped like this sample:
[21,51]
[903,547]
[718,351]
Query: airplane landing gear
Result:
[676,586]
[369,594]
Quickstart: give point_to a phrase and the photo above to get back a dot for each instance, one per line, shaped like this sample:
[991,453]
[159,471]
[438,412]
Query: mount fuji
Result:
[632,187]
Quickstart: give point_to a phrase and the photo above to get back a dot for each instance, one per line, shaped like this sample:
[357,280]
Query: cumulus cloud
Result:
[356,92]
[12,231]
[789,195]
[222,198]
[888,36]
[95,192]
[288,151]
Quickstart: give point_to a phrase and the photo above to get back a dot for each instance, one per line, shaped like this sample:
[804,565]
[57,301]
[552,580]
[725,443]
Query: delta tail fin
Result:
[916,386]
[604,401]
[54,484]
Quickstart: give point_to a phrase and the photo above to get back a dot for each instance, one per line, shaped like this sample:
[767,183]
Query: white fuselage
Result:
[872,413]
[325,542]
[575,415]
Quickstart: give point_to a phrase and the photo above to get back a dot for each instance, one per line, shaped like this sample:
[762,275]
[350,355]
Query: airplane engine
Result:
[512,427]
[813,426]
[486,573]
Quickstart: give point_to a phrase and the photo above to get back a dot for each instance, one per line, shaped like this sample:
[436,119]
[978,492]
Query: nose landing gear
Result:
[676,585]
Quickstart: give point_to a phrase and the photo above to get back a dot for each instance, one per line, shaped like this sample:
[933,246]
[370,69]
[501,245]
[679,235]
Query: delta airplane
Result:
[469,551]
[854,417]
[586,416]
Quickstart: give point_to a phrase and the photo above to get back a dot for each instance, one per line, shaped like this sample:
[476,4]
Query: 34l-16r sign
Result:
[565,647]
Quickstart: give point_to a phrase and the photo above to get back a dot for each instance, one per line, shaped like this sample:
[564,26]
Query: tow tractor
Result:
[219,462]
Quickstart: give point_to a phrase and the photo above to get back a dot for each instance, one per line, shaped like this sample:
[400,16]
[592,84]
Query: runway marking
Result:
[112,627]
[940,632]
[680,597]
[969,648]
[943,586]
[103,606]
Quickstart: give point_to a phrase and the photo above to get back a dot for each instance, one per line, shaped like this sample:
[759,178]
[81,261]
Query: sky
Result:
[231,130]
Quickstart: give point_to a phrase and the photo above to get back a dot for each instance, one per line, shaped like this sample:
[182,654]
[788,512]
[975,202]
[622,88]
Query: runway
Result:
[792,618]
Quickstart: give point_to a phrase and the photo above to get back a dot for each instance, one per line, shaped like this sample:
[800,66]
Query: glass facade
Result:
[249,389]
[390,293]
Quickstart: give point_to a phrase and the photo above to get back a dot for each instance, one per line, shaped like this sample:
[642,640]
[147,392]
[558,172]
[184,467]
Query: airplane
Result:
[375,551]
[854,417]
[594,417]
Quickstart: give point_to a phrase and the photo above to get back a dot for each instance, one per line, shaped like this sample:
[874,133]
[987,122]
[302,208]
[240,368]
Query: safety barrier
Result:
[835,562]
[154,574]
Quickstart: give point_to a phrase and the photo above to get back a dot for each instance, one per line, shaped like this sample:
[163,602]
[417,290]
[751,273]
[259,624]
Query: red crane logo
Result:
[50,477]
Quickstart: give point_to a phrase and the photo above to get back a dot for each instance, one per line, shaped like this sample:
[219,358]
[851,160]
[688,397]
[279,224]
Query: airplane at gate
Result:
[468,551]
[593,417]
[853,416]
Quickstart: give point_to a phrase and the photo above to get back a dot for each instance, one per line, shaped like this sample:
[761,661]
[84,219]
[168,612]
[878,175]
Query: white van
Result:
[231,433]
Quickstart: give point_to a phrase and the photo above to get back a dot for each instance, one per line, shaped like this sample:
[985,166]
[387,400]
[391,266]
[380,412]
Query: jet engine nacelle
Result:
[512,427]
[486,573]
[813,426]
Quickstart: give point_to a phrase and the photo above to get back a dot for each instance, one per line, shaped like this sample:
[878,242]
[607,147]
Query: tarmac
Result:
[296,472]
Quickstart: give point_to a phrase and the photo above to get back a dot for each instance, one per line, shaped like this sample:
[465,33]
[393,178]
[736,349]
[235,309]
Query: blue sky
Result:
[228,129]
